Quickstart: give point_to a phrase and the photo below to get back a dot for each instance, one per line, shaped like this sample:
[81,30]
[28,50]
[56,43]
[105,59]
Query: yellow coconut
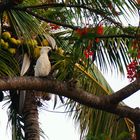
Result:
[60,51]
[12,50]
[6,35]
[13,41]
[32,43]
[18,42]
[44,42]
[6,45]
[1,42]
[37,52]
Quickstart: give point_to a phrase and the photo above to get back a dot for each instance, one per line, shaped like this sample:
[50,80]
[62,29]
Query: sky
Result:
[57,126]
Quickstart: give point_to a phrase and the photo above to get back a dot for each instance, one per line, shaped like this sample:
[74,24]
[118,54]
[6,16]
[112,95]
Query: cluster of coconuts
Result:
[11,44]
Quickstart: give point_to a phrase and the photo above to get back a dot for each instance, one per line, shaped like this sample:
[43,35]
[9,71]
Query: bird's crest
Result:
[45,49]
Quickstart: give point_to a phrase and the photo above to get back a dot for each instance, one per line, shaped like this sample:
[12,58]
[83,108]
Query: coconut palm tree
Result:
[86,37]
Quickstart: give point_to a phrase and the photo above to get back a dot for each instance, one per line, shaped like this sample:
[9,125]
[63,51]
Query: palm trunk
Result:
[30,116]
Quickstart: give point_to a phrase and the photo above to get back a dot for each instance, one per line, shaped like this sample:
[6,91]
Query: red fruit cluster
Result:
[82,31]
[100,29]
[88,53]
[132,70]
[54,26]
[85,30]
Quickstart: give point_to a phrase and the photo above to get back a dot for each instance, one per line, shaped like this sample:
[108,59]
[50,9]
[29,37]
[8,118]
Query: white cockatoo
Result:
[43,65]
[42,69]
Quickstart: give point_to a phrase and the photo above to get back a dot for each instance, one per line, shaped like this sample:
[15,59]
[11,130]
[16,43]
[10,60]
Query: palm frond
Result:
[24,29]
[8,64]
[111,53]
[15,121]
[97,79]
[94,122]
[80,11]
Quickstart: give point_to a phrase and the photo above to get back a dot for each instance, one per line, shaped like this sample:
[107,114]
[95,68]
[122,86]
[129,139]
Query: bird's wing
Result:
[43,66]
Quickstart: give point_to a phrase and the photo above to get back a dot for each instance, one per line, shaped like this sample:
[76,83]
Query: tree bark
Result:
[30,117]
[77,94]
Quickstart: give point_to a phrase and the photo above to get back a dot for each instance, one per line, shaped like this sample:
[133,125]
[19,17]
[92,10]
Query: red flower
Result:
[82,31]
[97,40]
[100,29]
[132,70]
[89,47]
[54,26]
[88,53]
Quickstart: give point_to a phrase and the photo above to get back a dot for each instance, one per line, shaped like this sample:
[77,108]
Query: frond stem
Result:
[50,21]
[98,12]
[91,77]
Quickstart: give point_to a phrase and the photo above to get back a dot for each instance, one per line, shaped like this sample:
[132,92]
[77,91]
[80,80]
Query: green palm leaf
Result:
[94,122]
[8,64]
